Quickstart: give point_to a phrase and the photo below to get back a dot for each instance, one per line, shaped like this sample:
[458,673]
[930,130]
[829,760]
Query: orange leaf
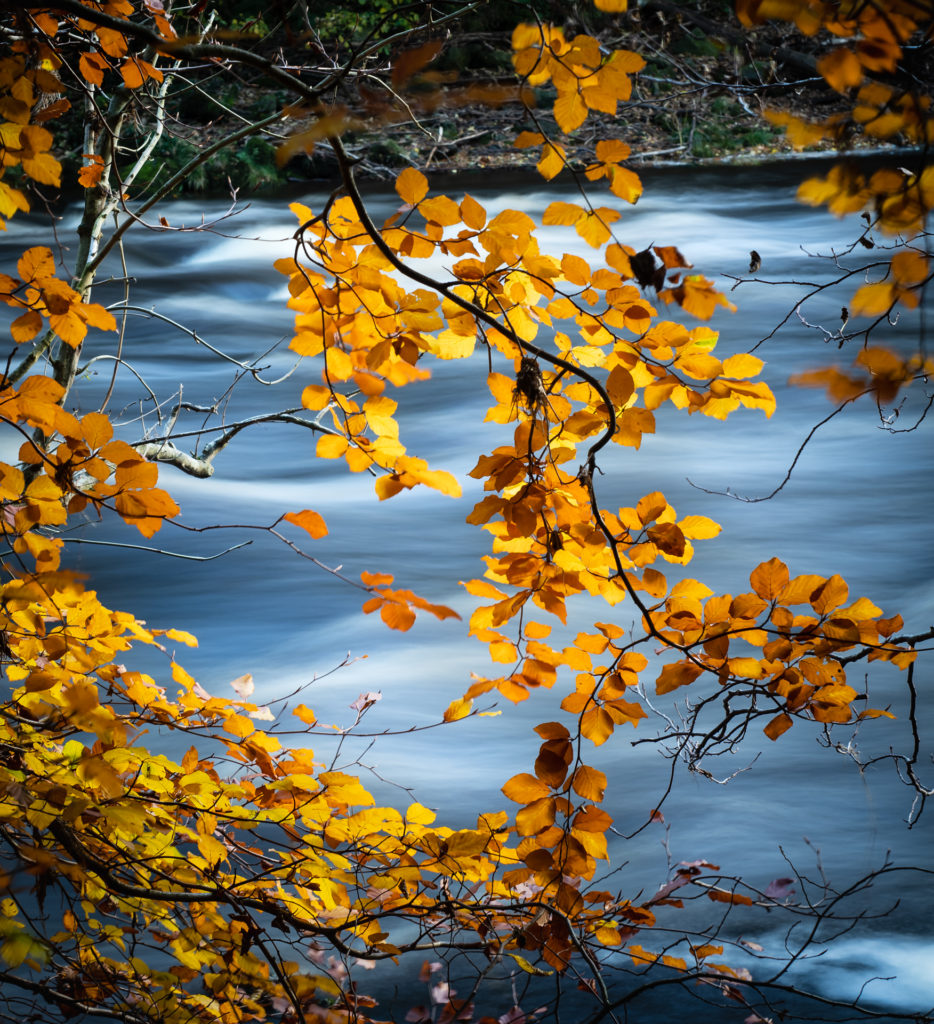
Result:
[24,328]
[841,69]
[779,724]
[524,788]
[538,815]
[90,175]
[769,578]
[410,61]
[672,676]
[671,256]
[376,579]
[589,783]
[620,386]
[909,267]
[592,819]
[597,726]
[829,595]
[311,522]
[668,538]
[719,896]
[525,140]
[397,616]
[873,299]
[92,68]
[412,186]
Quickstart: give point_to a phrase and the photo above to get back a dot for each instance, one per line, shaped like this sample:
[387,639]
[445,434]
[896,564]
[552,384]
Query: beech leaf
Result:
[311,522]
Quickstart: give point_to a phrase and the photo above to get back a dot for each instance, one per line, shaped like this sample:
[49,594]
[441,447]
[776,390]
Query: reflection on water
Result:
[858,504]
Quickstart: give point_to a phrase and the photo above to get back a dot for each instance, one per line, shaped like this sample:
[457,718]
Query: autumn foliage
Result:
[225,874]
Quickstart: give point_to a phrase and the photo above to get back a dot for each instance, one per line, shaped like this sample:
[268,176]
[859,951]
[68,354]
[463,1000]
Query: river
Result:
[858,503]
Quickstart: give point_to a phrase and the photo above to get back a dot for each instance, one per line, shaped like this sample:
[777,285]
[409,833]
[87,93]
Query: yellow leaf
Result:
[742,366]
[611,151]
[551,162]
[624,183]
[316,397]
[611,6]
[331,447]
[239,726]
[457,709]
[525,140]
[181,636]
[570,111]
[440,210]
[594,227]
[530,968]
[699,527]
[751,668]
[472,213]
[562,213]
[213,850]
[417,814]
[305,714]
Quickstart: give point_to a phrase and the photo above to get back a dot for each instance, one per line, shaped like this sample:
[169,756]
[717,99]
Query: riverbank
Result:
[711,91]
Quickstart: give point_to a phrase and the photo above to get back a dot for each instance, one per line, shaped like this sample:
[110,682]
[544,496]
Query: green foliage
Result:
[252,165]
[724,131]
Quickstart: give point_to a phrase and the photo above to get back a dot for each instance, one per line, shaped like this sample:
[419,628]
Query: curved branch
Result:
[794,462]
[156,551]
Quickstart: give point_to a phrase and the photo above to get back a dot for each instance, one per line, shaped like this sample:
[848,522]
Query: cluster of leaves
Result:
[215,885]
[872,65]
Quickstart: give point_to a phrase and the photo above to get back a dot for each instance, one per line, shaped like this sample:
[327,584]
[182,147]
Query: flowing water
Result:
[858,503]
